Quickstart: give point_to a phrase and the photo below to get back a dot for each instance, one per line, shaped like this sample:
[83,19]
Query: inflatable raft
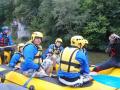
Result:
[48,83]
[11,87]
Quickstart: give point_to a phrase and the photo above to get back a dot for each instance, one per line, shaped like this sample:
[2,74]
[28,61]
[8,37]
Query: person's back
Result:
[77,59]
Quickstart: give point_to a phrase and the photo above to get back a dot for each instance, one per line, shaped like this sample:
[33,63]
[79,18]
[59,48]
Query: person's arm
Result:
[29,54]
[44,55]
[15,58]
[107,50]
[81,57]
[50,48]
[61,48]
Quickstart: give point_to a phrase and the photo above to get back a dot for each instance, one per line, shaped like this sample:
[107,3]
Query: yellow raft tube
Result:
[49,83]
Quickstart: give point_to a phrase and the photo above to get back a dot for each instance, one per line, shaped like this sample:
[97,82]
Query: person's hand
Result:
[40,60]
[107,50]
[93,73]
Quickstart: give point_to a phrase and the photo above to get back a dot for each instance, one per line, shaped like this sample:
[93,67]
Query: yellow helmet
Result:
[36,34]
[19,46]
[58,40]
[86,41]
[78,41]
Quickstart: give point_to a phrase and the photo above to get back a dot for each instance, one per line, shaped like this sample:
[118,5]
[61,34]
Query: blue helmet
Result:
[5,29]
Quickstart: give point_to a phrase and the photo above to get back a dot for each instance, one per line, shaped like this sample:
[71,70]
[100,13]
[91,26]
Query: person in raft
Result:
[74,67]
[55,49]
[6,40]
[113,50]
[29,52]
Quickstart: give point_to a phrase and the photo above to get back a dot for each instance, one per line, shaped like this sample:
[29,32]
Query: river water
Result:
[97,57]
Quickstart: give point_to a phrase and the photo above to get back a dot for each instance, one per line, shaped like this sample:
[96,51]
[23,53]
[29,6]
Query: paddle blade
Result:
[108,80]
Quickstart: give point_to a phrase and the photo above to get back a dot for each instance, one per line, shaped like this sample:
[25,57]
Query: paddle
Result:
[26,83]
[33,75]
[107,80]
[7,46]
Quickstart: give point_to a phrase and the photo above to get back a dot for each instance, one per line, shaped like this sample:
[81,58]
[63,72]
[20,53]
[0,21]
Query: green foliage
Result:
[65,18]
[6,9]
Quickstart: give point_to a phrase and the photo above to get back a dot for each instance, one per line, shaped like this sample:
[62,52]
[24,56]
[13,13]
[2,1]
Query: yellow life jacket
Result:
[7,56]
[56,50]
[37,56]
[68,63]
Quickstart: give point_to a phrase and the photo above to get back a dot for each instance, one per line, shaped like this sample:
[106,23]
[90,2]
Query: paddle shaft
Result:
[7,46]
[33,75]
[26,83]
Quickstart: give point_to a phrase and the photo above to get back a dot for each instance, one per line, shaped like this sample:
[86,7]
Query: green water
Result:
[97,57]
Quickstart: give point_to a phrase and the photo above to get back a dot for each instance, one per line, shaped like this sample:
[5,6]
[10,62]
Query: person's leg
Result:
[117,62]
[41,73]
[28,73]
[58,59]
[54,64]
[47,63]
[48,71]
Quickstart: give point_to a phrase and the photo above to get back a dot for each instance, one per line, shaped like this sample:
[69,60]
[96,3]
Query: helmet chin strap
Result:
[80,45]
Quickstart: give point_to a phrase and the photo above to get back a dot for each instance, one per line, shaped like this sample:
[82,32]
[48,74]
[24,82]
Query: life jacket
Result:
[39,53]
[68,63]
[4,40]
[56,50]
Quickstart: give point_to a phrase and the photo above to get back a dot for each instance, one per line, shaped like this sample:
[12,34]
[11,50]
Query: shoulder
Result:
[80,53]
[51,45]
[16,54]
[30,46]
[61,47]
